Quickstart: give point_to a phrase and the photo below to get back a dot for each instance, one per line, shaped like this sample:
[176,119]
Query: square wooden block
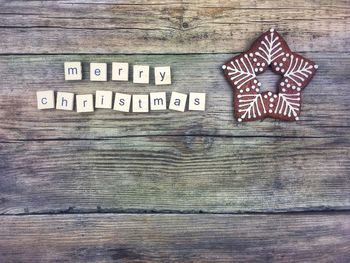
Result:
[98,71]
[122,102]
[120,71]
[85,103]
[178,101]
[158,101]
[72,71]
[64,101]
[162,75]
[196,101]
[141,74]
[103,99]
[140,103]
[45,99]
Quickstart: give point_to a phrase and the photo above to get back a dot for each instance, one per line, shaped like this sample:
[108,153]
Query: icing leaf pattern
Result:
[249,106]
[288,105]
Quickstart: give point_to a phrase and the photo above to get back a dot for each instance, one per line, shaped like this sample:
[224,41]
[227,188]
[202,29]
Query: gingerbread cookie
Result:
[269,50]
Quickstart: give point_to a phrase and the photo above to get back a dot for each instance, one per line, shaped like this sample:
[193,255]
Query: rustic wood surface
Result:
[169,186]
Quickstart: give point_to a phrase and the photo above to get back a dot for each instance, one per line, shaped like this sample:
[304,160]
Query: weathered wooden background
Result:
[169,186]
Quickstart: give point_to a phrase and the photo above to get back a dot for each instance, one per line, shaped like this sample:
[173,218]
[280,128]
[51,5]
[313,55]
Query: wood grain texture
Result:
[175,173]
[205,26]
[176,238]
[325,105]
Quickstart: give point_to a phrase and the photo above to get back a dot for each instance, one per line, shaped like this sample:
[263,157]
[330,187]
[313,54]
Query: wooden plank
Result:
[176,238]
[169,27]
[175,173]
[325,109]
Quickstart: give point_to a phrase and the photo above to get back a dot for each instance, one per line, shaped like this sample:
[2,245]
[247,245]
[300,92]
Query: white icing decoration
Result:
[282,84]
[223,66]
[299,70]
[241,71]
[316,66]
[249,105]
[270,49]
[288,104]
[298,89]
[239,119]
[270,111]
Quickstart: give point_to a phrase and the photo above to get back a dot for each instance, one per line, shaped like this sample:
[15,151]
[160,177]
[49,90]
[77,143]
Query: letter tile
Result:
[178,101]
[140,103]
[98,71]
[45,99]
[64,101]
[103,99]
[158,101]
[122,102]
[120,71]
[141,74]
[72,71]
[162,75]
[85,103]
[196,101]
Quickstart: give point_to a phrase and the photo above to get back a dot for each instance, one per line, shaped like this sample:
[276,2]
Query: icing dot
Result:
[286,80]
[256,69]
[282,84]
[271,105]
[282,70]
[283,90]
[271,99]
[288,85]
[293,87]
[241,91]
[255,81]
[270,111]
[263,64]
[298,89]
[271,30]
[275,96]
[261,69]
[265,96]
[247,89]
[251,55]
[258,64]
[259,84]
[275,63]
[239,119]
[287,55]
[223,66]
[277,69]
[253,87]
[269,93]
[281,64]
[257,90]
[284,59]
[296,118]
[316,66]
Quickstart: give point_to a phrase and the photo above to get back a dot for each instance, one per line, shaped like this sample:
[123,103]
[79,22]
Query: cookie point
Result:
[296,118]
[239,120]
[223,67]
[316,66]
[272,30]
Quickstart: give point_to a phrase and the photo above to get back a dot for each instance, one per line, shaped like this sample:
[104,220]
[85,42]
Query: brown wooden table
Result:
[170,186]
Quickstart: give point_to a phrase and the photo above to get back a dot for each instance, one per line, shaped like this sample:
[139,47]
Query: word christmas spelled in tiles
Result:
[104,99]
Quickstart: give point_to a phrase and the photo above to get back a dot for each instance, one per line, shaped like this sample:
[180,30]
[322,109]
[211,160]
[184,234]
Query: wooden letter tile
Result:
[196,101]
[141,74]
[178,101]
[158,101]
[64,101]
[72,71]
[85,103]
[120,71]
[98,71]
[103,99]
[122,102]
[162,75]
[140,103]
[45,99]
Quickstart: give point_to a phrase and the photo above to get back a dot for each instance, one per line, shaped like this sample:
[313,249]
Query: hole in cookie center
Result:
[269,81]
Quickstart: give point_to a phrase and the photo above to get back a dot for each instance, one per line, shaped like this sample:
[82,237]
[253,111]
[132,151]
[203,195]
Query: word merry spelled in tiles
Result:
[122,102]
[120,72]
